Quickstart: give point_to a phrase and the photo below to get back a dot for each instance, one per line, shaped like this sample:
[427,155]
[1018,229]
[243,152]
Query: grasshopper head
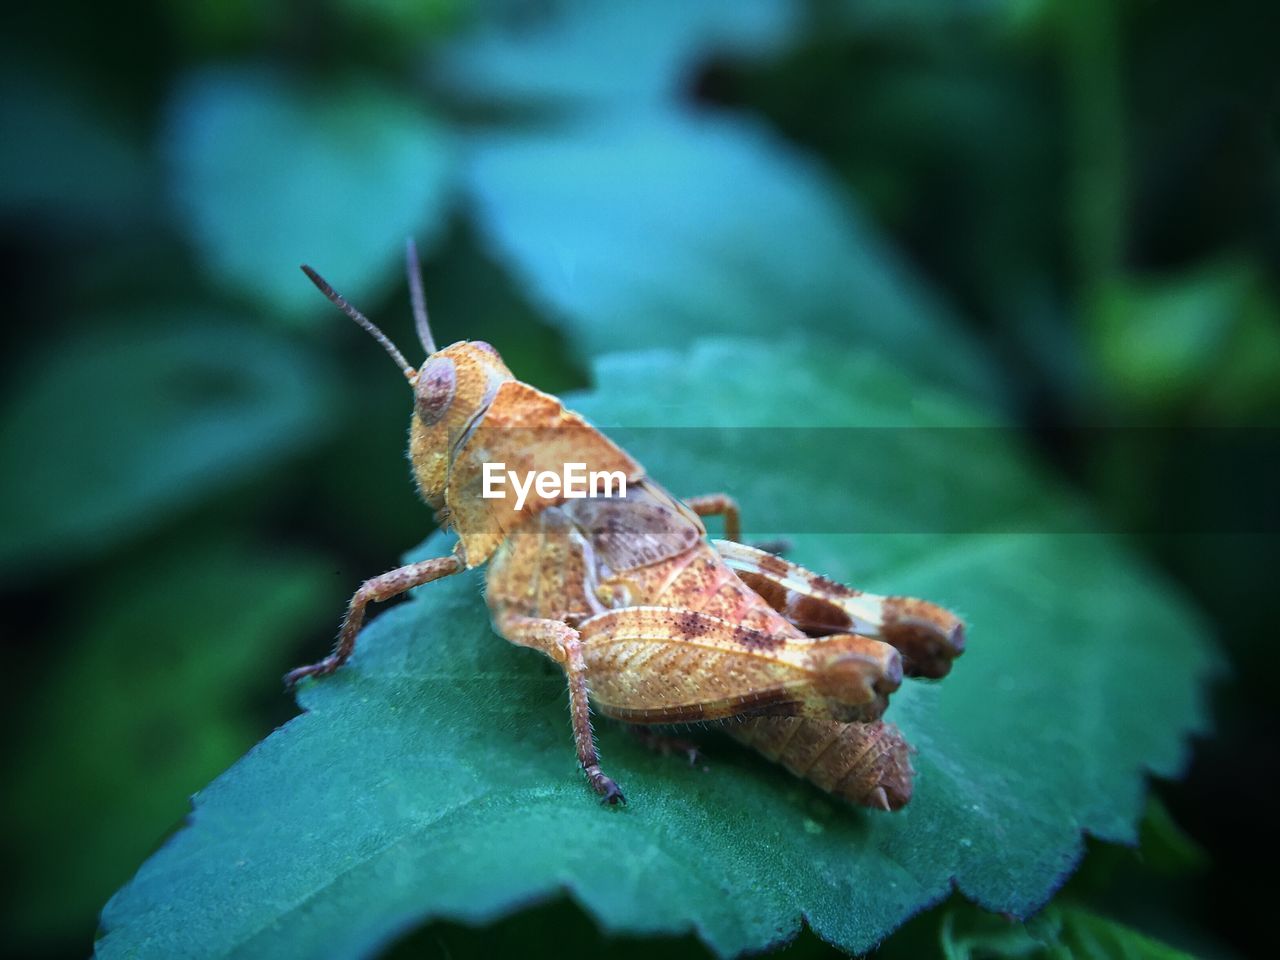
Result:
[453,390]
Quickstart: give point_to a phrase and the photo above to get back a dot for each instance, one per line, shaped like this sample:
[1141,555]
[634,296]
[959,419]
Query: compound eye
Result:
[437,383]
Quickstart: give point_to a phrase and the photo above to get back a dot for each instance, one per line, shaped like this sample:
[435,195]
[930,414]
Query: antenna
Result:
[413,267]
[340,302]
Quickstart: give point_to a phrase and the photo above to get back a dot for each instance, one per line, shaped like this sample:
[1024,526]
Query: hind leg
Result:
[665,743]
[929,637]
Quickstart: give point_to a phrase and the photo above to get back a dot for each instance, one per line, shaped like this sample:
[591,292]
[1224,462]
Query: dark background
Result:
[1092,187]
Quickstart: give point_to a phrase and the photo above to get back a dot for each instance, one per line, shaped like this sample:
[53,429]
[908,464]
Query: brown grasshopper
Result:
[650,621]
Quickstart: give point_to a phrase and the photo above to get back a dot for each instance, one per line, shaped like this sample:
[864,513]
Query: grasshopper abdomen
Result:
[865,763]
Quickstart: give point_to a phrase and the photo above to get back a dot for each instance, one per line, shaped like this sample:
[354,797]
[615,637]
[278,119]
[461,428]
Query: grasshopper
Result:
[652,622]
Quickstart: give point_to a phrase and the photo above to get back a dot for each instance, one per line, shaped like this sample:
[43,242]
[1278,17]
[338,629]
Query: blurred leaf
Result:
[907,16]
[1158,337]
[648,231]
[1166,847]
[206,27]
[1082,934]
[406,20]
[122,427]
[1212,334]
[1146,888]
[1244,382]
[607,52]
[558,930]
[968,934]
[1164,855]
[1059,933]
[147,704]
[268,174]
[232,26]
[435,776]
[65,159]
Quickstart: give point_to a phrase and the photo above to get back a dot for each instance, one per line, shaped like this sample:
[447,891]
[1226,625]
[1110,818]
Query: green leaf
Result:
[407,24]
[122,427]
[1166,847]
[912,16]
[151,700]
[557,930]
[644,231]
[594,53]
[1063,932]
[1086,935]
[1208,334]
[1162,861]
[434,777]
[268,174]
[67,159]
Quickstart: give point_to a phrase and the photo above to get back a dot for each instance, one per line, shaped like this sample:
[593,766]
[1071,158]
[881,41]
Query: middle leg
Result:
[719,505]
[723,505]
[562,644]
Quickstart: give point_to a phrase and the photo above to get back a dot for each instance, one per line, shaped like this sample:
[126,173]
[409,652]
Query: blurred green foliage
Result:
[110,764]
[261,169]
[1069,211]
[151,412]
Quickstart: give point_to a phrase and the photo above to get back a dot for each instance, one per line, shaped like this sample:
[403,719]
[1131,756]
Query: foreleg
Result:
[384,587]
